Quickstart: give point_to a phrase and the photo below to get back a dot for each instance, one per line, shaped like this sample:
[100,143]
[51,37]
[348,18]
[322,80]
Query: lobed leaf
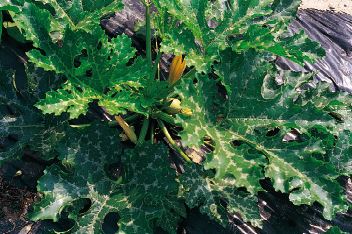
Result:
[204,29]
[82,15]
[201,189]
[250,135]
[22,126]
[145,196]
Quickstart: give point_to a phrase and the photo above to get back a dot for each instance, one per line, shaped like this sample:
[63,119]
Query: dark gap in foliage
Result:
[86,203]
[131,61]
[79,89]
[12,138]
[84,53]
[48,7]
[94,114]
[6,16]
[320,157]
[76,62]
[237,143]
[110,225]
[337,117]
[159,230]
[273,132]
[114,170]
[336,138]
[42,52]
[197,222]
[242,189]
[100,45]
[16,48]
[89,73]
[11,110]
[64,224]
[34,156]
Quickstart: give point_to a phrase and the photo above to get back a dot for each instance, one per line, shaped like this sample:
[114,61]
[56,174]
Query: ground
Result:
[337,5]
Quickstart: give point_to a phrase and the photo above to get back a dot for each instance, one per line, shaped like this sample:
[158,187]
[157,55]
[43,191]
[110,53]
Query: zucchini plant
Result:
[223,91]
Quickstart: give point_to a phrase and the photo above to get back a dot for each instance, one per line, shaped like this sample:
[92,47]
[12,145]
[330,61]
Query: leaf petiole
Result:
[172,142]
[148,35]
[152,132]
[165,117]
[156,66]
[144,131]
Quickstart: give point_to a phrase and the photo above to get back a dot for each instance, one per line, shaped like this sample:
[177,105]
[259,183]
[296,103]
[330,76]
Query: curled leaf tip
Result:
[177,68]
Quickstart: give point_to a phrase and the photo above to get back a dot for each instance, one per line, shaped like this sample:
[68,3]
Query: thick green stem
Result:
[144,131]
[156,66]
[189,74]
[172,142]
[152,129]
[165,117]
[132,117]
[148,35]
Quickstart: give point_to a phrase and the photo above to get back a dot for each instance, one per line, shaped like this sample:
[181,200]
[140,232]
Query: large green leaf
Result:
[147,196]
[97,68]
[152,189]
[250,135]
[78,14]
[202,29]
[22,125]
[200,189]
[84,177]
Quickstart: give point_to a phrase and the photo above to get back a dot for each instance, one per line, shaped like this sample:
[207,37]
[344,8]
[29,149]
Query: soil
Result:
[335,5]
[14,206]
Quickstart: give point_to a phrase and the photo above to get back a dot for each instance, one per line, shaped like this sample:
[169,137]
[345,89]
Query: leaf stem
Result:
[132,117]
[172,142]
[144,131]
[148,35]
[156,66]
[165,117]
[152,129]
[190,73]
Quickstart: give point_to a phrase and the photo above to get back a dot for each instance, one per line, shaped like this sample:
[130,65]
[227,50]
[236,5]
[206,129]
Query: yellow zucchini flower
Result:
[177,68]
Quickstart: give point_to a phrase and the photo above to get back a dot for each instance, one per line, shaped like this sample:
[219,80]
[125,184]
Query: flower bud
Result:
[186,111]
[174,107]
[177,68]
